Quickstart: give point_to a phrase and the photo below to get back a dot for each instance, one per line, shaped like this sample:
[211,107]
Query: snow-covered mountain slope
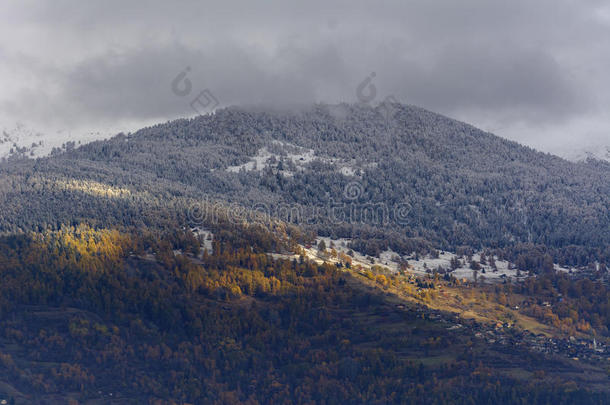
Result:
[25,140]
[20,139]
[593,152]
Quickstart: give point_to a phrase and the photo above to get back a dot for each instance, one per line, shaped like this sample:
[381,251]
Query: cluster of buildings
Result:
[505,334]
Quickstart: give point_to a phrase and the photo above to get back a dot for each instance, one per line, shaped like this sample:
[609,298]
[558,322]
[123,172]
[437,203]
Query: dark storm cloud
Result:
[138,83]
[535,64]
[525,83]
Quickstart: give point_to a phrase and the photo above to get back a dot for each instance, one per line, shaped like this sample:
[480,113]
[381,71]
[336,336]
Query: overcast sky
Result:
[537,71]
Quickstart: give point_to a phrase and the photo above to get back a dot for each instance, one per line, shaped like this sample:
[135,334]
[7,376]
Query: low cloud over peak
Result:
[532,72]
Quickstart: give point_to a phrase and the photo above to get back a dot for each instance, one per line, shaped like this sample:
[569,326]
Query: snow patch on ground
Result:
[257,162]
[206,236]
[392,262]
[294,158]
[348,171]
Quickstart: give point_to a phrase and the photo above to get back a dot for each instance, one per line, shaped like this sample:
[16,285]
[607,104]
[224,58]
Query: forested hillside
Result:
[344,170]
[120,316]
[109,292]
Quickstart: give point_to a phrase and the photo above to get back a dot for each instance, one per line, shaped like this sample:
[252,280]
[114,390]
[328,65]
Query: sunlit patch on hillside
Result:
[93,188]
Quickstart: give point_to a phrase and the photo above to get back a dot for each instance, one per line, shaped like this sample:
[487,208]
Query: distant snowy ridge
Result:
[581,155]
[20,140]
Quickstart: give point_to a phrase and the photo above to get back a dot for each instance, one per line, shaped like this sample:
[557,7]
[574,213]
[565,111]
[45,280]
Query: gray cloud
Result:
[528,70]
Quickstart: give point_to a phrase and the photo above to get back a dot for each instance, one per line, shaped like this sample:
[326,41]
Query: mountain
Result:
[600,152]
[19,140]
[392,176]
[327,254]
